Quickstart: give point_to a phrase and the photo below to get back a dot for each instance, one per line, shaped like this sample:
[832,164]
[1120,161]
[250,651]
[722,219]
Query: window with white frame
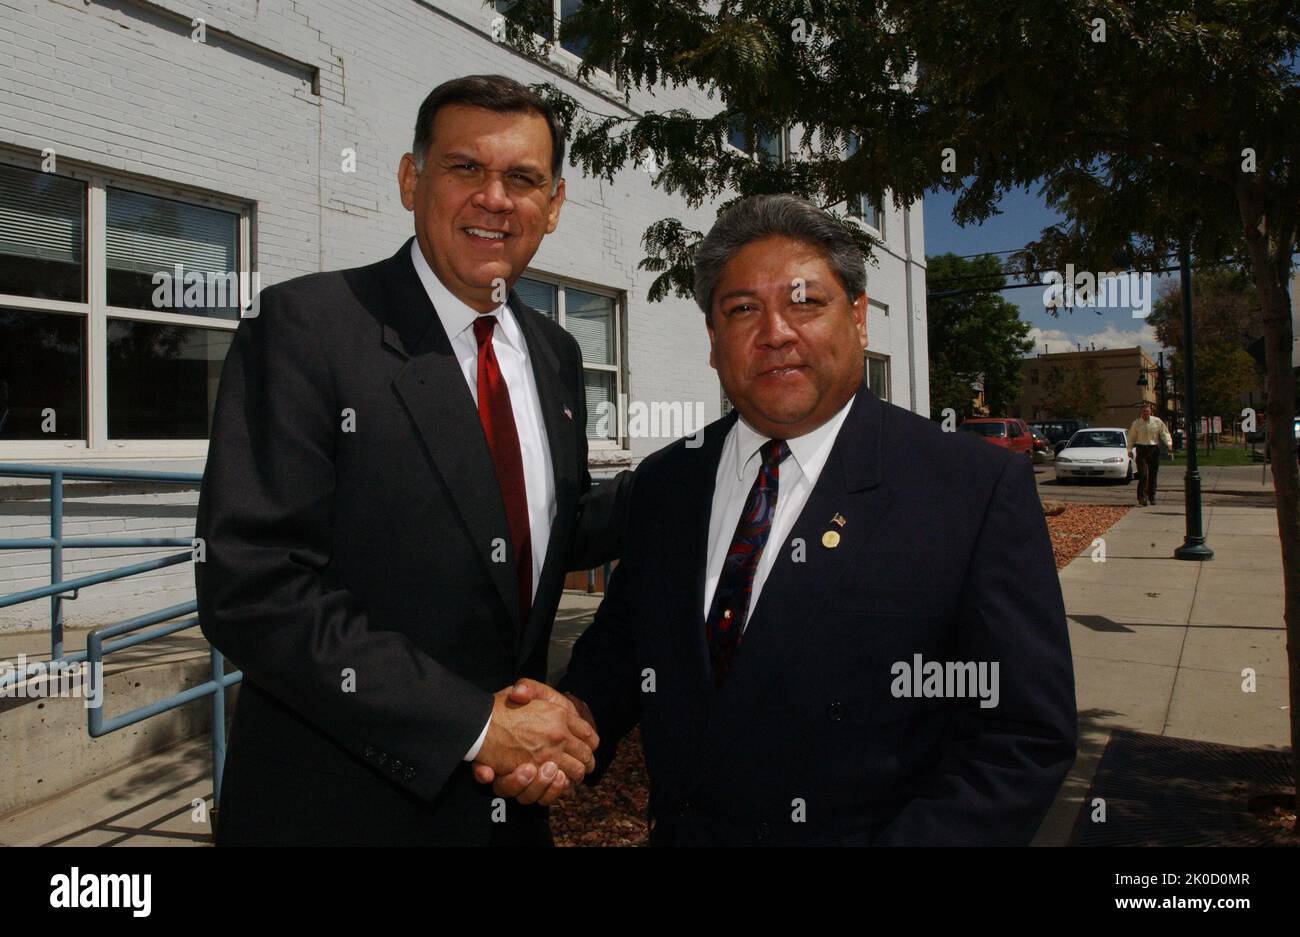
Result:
[877,368]
[594,318]
[118,302]
[860,206]
[572,46]
[772,145]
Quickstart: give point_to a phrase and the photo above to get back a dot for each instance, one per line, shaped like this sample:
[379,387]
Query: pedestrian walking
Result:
[1145,436]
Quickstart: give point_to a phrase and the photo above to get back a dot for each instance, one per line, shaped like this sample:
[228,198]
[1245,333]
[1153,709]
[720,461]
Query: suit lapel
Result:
[794,595]
[433,390]
[561,436]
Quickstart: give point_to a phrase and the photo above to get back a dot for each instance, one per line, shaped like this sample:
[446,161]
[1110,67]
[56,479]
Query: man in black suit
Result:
[396,485]
[834,622]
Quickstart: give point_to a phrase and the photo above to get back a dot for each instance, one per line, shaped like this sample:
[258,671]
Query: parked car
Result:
[1096,452]
[1058,432]
[1043,449]
[1007,432]
[1296,428]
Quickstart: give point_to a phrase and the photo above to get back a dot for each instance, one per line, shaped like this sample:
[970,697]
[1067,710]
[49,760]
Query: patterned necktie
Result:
[498,421]
[730,606]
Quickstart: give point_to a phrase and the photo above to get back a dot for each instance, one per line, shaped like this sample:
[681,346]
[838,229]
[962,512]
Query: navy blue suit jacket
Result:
[944,553]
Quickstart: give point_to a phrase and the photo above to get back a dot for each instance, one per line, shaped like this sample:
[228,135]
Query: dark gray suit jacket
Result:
[350,574]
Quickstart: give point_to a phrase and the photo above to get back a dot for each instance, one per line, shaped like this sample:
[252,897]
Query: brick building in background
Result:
[271,148]
[1120,370]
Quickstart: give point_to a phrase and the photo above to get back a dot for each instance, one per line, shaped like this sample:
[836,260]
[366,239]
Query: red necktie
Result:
[498,421]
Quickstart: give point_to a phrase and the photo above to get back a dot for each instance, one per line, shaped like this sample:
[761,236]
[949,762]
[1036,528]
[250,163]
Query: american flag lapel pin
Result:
[568,414]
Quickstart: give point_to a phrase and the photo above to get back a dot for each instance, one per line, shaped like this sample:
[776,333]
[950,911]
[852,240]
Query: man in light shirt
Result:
[834,622]
[1145,436]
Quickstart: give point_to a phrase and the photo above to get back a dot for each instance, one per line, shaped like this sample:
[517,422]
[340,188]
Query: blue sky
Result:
[1024,215]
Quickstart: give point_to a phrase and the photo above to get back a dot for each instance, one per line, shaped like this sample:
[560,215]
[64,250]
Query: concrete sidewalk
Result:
[1160,644]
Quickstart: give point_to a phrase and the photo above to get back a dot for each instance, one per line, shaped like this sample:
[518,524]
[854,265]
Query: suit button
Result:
[369,753]
[764,831]
[396,766]
[835,711]
[381,759]
[407,773]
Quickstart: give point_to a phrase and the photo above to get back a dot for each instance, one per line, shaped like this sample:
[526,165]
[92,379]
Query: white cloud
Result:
[1111,337]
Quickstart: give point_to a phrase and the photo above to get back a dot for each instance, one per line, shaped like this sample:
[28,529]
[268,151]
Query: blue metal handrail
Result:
[96,648]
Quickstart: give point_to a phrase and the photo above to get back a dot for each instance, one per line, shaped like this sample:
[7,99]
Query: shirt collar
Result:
[457,316]
[810,451]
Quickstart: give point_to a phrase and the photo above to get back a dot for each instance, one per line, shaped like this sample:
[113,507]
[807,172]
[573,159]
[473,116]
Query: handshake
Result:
[539,744]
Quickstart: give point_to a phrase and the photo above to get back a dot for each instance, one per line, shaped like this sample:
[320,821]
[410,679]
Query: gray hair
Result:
[761,216]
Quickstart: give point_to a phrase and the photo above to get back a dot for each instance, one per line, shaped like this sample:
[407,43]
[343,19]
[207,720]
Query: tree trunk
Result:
[1270,266]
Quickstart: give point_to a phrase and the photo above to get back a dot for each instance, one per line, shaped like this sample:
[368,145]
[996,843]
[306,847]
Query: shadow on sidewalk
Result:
[1154,790]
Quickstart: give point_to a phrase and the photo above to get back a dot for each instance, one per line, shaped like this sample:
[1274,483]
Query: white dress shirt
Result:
[1149,432]
[512,355]
[737,470]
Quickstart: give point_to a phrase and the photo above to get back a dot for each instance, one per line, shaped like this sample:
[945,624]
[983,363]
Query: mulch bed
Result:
[1077,526]
[613,812]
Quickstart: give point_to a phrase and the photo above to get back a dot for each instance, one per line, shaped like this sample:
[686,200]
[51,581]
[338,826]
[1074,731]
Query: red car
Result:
[1007,432]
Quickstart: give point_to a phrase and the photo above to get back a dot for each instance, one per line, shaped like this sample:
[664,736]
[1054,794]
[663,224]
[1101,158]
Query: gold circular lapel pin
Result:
[831,539]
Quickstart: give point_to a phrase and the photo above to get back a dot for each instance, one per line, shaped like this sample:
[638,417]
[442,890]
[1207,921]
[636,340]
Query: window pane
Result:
[602,407]
[737,135]
[859,205]
[769,146]
[162,379]
[590,319]
[876,378]
[149,235]
[577,45]
[872,215]
[548,28]
[539,295]
[42,368]
[42,235]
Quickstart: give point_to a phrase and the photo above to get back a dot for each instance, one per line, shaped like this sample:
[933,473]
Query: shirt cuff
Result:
[473,752]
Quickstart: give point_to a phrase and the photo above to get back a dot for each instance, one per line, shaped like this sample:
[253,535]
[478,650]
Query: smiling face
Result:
[483,201]
[787,365]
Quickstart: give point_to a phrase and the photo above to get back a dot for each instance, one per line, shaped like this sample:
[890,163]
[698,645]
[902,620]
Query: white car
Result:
[1096,452]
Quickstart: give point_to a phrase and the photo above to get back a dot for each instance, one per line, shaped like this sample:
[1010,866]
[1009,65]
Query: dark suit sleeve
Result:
[598,529]
[1003,765]
[603,670]
[264,595]
[601,524]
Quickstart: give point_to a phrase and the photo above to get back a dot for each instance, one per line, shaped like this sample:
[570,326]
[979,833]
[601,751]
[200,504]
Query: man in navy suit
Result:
[834,622]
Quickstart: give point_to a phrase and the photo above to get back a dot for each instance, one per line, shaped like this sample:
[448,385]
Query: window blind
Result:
[147,234]
[589,318]
[539,295]
[42,216]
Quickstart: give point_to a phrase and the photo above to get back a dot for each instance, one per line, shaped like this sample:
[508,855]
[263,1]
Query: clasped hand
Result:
[539,744]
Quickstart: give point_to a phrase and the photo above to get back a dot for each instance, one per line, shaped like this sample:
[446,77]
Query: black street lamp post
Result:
[1193,547]
[1162,387]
